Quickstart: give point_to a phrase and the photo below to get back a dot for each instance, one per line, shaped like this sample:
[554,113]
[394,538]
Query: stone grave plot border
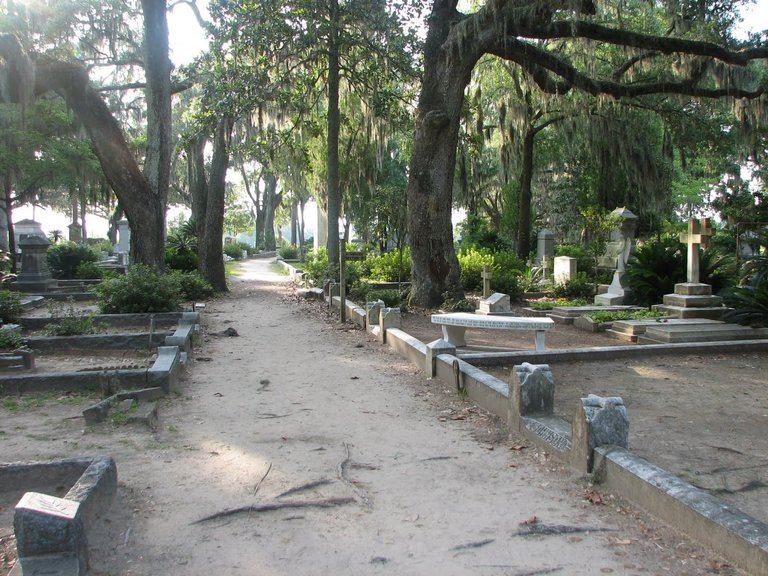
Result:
[164,373]
[51,532]
[605,458]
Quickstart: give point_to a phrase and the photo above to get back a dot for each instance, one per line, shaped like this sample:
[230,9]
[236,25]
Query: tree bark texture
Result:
[526,196]
[334,123]
[435,267]
[211,251]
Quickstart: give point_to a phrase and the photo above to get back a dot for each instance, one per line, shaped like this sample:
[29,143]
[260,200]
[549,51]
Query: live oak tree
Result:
[532,35]
[142,193]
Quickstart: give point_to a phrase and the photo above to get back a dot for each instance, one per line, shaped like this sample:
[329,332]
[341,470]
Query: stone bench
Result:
[455,324]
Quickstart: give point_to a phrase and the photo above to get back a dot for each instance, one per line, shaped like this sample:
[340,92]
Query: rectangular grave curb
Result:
[727,530]
[164,373]
[747,547]
[116,320]
[137,341]
[94,485]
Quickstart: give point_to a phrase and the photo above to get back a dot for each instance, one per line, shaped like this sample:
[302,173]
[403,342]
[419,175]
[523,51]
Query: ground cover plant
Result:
[70,321]
[65,257]
[605,316]
[11,308]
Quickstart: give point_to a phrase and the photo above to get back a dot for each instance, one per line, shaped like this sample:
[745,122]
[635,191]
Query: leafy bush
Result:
[317,267]
[461,305]
[390,267]
[100,245]
[181,259]
[11,308]
[191,285]
[551,304]
[750,304]
[235,250]
[613,316]
[476,233]
[142,289]
[70,322]
[65,257]
[508,282]
[10,340]
[580,286]
[391,298]
[471,262]
[89,270]
[288,252]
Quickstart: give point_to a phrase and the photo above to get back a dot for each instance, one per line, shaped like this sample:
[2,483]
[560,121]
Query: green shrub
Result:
[235,250]
[390,266]
[181,259]
[288,252]
[557,302]
[88,270]
[613,316]
[10,340]
[191,285]
[11,308]
[318,268]
[461,305]
[580,286]
[70,322]
[391,298]
[100,245]
[142,289]
[471,262]
[508,282]
[65,257]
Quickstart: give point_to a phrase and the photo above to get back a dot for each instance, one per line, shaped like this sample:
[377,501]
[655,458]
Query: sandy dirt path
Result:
[417,481]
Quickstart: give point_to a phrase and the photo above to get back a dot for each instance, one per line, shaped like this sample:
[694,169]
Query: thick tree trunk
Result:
[198,183]
[435,267]
[526,179]
[157,68]
[143,208]
[294,222]
[210,244]
[334,122]
[271,201]
[7,241]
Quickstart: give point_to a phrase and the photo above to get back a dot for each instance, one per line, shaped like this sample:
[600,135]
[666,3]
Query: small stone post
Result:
[434,349]
[531,391]
[388,318]
[598,422]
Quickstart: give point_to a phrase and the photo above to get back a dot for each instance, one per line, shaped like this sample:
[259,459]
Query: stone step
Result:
[692,301]
[636,327]
[701,333]
[53,565]
[145,414]
[713,313]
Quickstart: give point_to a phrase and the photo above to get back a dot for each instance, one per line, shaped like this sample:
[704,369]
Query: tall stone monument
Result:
[35,275]
[618,251]
[694,299]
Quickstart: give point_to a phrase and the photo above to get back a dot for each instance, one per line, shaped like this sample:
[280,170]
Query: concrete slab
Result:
[701,333]
[714,313]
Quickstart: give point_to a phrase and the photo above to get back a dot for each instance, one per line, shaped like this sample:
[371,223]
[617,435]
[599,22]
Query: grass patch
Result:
[549,304]
[614,316]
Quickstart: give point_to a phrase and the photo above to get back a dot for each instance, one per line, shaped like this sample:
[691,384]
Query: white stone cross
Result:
[698,235]
[487,274]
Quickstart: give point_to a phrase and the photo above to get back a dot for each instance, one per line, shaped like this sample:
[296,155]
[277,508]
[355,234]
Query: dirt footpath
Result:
[346,461]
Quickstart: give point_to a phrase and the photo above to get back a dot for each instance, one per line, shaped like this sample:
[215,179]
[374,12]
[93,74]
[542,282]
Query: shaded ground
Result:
[700,416]
[414,480]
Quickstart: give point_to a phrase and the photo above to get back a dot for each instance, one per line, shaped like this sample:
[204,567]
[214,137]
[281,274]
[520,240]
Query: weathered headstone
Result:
[372,310]
[47,525]
[545,246]
[25,228]
[388,318]
[35,275]
[598,421]
[75,232]
[565,269]
[536,390]
[123,237]
[497,303]
[487,275]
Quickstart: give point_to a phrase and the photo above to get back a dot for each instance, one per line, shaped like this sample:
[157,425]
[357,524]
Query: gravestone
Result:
[565,269]
[536,391]
[487,275]
[496,304]
[598,421]
[75,232]
[34,275]
[693,299]
[435,349]
[388,318]
[123,237]
[372,312]
[25,228]
[545,246]
[619,250]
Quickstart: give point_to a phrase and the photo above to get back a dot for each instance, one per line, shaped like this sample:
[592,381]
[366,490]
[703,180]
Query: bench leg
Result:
[540,340]
[454,335]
